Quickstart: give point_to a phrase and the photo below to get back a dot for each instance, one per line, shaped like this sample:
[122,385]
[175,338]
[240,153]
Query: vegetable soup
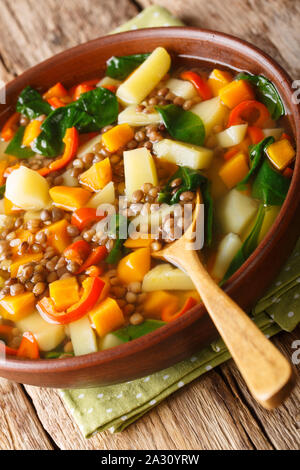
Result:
[98,177]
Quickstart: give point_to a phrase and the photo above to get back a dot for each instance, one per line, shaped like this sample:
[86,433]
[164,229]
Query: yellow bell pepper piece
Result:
[69,198]
[141,242]
[134,266]
[218,79]
[64,293]
[107,316]
[58,236]
[32,131]
[236,92]
[24,259]
[98,176]
[156,301]
[17,307]
[117,137]
[281,153]
[234,170]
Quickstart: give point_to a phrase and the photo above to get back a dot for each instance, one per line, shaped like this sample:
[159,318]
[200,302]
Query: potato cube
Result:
[166,277]
[135,118]
[83,337]
[235,211]
[227,250]
[182,154]
[48,336]
[182,88]
[212,112]
[145,78]
[232,136]
[139,169]
[27,189]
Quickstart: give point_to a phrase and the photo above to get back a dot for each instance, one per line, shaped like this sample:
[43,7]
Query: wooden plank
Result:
[20,428]
[213,419]
[272,26]
[281,425]
[32,33]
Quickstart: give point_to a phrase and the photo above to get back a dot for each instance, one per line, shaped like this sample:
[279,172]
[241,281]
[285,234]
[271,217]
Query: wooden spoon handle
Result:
[266,371]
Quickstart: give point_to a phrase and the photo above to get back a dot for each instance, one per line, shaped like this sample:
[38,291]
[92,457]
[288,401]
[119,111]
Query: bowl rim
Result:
[292,199]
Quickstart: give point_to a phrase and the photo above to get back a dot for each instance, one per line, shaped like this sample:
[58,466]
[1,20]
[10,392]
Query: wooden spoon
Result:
[266,371]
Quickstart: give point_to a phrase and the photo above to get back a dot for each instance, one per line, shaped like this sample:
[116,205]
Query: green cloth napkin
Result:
[117,406]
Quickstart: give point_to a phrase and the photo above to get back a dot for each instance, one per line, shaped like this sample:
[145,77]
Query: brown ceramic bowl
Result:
[181,338]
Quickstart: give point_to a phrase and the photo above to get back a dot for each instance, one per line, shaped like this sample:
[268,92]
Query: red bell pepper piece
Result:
[286,136]
[230,153]
[71,145]
[111,88]
[243,111]
[10,169]
[92,288]
[83,87]
[167,317]
[6,332]
[56,102]
[57,91]
[78,251]
[7,351]
[256,134]
[201,86]
[90,83]
[29,347]
[83,138]
[10,127]
[288,172]
[98,254]
[94,271]
[85,216]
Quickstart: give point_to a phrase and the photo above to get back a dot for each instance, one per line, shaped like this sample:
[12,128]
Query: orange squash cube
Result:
[141,242]
[234,170]
[107,316]
[236,92]
[218,79]
[69,198]
[64,293]
[158,300]
[134,266]
[17,307]
[58,236]
[98,176]
[10,208]
[24,259]
[117,137]
[281,153]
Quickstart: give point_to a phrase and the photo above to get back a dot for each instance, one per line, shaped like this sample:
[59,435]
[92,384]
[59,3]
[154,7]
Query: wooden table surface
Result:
[215,411]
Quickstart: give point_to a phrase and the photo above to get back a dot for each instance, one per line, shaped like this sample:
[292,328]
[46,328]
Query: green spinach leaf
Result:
[270,186]
[2,191]
[16,148]
[182,125]
[191,181]
[248,246]
[256,154]
[92,111]
[132,332]
[118,228]
[266,93]
[31,104]
[121,67]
